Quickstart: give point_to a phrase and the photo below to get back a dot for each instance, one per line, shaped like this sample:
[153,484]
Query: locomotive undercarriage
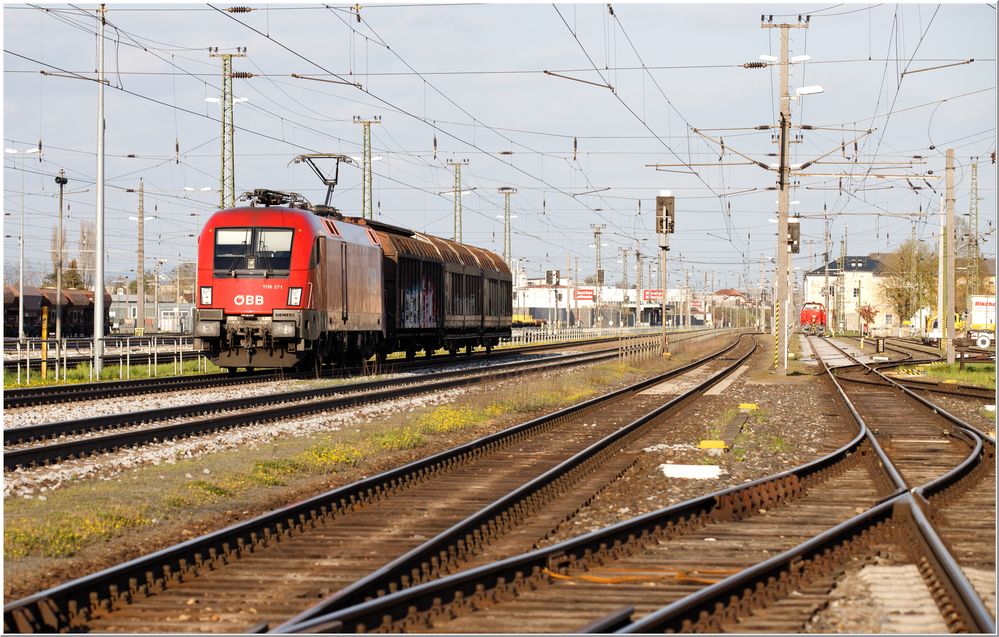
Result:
[288,338]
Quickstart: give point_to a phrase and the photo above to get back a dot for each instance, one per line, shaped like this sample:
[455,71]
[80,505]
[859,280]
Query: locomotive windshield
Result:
[253,251]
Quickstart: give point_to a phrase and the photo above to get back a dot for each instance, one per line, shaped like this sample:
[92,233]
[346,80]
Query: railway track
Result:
[690,567]
[927,385]
[55,394]
[239,576]
[80,438]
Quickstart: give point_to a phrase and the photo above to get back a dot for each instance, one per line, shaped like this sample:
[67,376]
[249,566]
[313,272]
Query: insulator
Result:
[239,9]
[754,65]
[241,75]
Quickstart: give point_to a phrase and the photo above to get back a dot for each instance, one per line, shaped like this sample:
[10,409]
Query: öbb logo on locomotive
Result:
[248,299]
[286,284]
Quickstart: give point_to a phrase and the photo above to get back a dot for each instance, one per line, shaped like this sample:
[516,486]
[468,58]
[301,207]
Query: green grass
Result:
[111,371]
[980,374]
[68,534]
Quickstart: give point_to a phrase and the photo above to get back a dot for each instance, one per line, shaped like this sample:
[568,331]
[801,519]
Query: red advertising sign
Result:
[584,294]
[652,295]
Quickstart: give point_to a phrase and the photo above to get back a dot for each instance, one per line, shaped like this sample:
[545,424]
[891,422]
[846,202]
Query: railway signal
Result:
[665,214]
[794,234]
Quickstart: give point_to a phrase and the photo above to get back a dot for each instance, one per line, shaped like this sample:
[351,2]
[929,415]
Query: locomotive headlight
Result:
[283,329]
[294,296]
[206,295]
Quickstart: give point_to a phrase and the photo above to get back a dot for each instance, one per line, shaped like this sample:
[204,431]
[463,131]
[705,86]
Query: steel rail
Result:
[454,541]
[983,445]
[700,611]
[515,572]
[86,391]
[317,400]
[754,586]
[43,431]
[66,606]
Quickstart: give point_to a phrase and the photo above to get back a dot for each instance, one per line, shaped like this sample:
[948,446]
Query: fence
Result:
[538,335]
[64,354]
[124,351]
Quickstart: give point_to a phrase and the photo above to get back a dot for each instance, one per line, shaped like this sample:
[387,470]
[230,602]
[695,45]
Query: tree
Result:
[907,278]
[71,277]
[11,276]
[54,245]
[51,279]
[88,253]
[867,313]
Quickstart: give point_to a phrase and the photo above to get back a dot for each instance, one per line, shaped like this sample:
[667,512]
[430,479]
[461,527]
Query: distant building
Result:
[857,284]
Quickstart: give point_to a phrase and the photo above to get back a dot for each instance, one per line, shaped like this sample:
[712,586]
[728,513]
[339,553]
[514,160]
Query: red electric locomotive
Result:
[283,286]
[813,318]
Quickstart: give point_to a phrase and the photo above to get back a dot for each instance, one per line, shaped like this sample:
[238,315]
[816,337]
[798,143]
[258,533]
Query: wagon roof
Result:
[403,242]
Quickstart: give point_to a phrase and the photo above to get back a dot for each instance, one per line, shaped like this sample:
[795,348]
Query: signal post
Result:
[665,215]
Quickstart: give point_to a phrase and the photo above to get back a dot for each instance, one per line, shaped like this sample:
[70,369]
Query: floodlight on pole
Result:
[808,90]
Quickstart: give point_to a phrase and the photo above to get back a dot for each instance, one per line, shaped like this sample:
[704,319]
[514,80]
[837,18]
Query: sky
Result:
[462,81]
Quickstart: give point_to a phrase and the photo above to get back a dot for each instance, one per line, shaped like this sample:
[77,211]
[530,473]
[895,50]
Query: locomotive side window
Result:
[314,258]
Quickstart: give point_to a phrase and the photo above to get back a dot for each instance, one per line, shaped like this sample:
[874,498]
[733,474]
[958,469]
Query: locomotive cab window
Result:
[253,251]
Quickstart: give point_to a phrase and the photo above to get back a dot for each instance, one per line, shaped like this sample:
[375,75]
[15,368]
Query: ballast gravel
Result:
[791,426]
[28,483]
[43,414]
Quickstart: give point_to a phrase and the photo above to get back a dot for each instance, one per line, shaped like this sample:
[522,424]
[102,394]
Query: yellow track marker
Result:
[712,444]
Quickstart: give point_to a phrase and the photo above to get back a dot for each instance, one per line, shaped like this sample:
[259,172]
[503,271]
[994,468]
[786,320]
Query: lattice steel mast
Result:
[367,209]
[457,196]
[227,174]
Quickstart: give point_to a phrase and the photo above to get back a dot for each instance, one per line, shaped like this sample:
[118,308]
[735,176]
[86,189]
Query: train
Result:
[812,319]
[77,311]
[285,284]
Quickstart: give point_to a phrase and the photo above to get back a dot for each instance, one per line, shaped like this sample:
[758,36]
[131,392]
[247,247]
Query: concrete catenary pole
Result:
[597,238]
[950,248]
[140,268]
[624,269]
[783,273]
[62,181]
[98,362]
[941,260]
[638,284]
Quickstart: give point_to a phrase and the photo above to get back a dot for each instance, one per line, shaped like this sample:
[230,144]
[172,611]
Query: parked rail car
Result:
[77,311]
[813,318]
[440,293]
[285,287]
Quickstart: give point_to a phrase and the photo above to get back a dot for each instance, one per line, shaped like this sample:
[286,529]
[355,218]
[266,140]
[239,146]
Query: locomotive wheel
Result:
[468,349]
[452,351]
[381,356]
[231,370]
[410,354]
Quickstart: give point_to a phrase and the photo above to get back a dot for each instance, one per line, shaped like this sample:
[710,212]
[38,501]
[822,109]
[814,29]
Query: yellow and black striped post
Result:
[776,332]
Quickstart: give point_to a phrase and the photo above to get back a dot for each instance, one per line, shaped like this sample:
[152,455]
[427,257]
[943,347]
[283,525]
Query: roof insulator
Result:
[240,9]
